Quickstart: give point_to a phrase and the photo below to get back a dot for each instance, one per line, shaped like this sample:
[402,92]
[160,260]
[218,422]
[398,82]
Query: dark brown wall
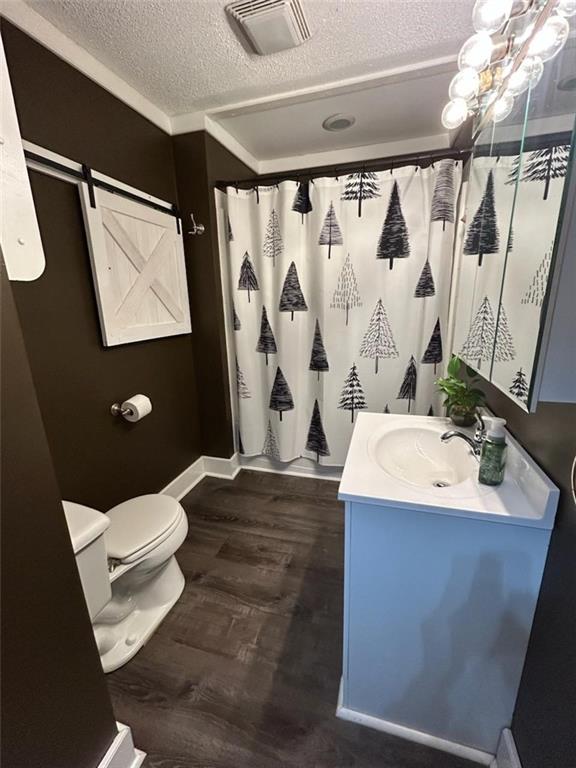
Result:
[545,714]
[63,110]
[99,460]
[200,162]
[55,706]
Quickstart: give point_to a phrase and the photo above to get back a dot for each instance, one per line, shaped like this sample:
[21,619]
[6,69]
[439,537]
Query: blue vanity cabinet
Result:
[437,614]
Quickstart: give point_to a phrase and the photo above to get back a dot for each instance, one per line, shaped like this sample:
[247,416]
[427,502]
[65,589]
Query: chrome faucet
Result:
[475,442]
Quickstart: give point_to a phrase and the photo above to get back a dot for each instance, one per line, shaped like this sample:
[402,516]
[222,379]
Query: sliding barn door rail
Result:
[45,161]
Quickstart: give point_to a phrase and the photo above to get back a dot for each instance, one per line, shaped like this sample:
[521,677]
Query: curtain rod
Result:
[86,175]
[345,168]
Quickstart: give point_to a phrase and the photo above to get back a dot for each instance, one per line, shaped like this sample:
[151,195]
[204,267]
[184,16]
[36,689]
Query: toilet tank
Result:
[86,527]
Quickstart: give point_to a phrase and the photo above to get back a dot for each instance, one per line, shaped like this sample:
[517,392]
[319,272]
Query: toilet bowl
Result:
[128,569]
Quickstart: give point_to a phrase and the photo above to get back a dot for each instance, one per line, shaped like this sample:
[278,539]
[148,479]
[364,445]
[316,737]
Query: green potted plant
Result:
[463,398]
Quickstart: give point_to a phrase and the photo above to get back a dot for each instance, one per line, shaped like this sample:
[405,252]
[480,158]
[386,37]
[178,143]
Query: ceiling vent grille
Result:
[271,25]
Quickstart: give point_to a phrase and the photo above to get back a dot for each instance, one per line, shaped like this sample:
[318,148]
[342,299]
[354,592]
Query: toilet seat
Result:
[139,525]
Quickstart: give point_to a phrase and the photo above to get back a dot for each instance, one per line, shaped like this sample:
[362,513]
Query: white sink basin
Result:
[416,455]
[400,461]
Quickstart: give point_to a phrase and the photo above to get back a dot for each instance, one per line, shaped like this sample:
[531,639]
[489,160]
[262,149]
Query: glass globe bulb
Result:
[491,15]
[566,7]
[454,114]
[518,82]
[526,76]
[476,52]
[465,85]
[550,40]
[536,67]
[502,107]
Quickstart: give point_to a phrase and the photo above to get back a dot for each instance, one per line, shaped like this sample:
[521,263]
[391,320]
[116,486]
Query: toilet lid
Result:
[139,524]
[84,524]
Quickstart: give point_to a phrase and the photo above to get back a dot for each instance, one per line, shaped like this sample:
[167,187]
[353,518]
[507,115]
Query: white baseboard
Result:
[419,737]
[122,753]
[507,754]
[205,466]
[227,469]
[186,480]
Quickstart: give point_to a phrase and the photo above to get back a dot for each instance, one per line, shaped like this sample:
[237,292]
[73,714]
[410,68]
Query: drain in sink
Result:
[440,484]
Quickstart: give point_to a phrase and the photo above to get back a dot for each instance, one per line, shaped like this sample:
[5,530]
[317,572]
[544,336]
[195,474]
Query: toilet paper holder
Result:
[117,410]
[132,409]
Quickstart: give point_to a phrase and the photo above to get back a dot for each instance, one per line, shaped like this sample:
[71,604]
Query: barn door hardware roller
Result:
[197,229]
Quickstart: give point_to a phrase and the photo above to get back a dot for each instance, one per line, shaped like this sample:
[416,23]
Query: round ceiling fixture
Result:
[338,122]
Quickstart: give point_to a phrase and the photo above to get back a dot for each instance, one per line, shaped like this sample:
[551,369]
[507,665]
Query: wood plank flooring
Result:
[244,671]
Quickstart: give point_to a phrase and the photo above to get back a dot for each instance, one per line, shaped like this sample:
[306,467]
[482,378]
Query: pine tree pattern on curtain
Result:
[542,165]
[425,286]
[360,187]
[433,353]
[330,234]
[340,308]
[483,342]
[266,341]
[292,299]
[378,341]
[394,242]
[444,198]
[498,320]
[273,245]
[483,236]
[318,359]
[346,295]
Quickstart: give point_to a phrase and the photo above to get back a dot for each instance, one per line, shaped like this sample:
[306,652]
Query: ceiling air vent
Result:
[271,25]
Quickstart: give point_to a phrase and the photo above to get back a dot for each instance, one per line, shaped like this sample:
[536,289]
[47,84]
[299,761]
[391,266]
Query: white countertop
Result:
[526,496]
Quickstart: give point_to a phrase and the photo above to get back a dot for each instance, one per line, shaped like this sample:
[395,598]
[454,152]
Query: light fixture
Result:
[465,85]
[454,114]
[566,7]
[506,55]
[491,15]
[526,76]
[476,52]
[338,122]
[550,40]
[502,107]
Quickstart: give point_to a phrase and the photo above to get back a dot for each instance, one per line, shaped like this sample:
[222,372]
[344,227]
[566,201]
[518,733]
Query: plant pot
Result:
[461,417]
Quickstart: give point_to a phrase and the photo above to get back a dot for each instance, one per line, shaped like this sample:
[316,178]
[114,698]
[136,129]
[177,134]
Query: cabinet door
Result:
[438,615]
[138,268]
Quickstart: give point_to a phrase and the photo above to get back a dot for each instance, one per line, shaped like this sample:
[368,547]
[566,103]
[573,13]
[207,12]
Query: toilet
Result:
[127,565]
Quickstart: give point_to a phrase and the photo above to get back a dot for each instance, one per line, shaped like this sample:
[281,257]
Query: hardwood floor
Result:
[244,671]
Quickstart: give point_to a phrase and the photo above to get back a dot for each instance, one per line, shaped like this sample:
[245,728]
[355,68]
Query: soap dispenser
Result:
[493,455]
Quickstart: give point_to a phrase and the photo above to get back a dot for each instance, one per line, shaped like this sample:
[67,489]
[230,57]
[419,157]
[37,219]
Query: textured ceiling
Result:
[184,57]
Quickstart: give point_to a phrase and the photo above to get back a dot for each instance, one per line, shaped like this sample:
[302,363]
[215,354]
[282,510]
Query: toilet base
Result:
[118,643]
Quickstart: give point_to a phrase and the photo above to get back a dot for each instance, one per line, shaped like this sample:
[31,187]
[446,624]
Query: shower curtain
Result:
[338,297]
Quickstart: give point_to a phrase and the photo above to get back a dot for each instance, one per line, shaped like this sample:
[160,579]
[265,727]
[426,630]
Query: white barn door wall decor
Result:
[138,267]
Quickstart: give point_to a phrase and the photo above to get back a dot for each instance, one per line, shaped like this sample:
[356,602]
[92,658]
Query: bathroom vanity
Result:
[441,581]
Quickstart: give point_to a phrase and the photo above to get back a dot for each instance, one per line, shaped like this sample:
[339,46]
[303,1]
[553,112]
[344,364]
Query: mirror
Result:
[517,177]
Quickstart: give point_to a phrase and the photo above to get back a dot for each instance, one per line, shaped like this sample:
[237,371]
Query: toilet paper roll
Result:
[136,407]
